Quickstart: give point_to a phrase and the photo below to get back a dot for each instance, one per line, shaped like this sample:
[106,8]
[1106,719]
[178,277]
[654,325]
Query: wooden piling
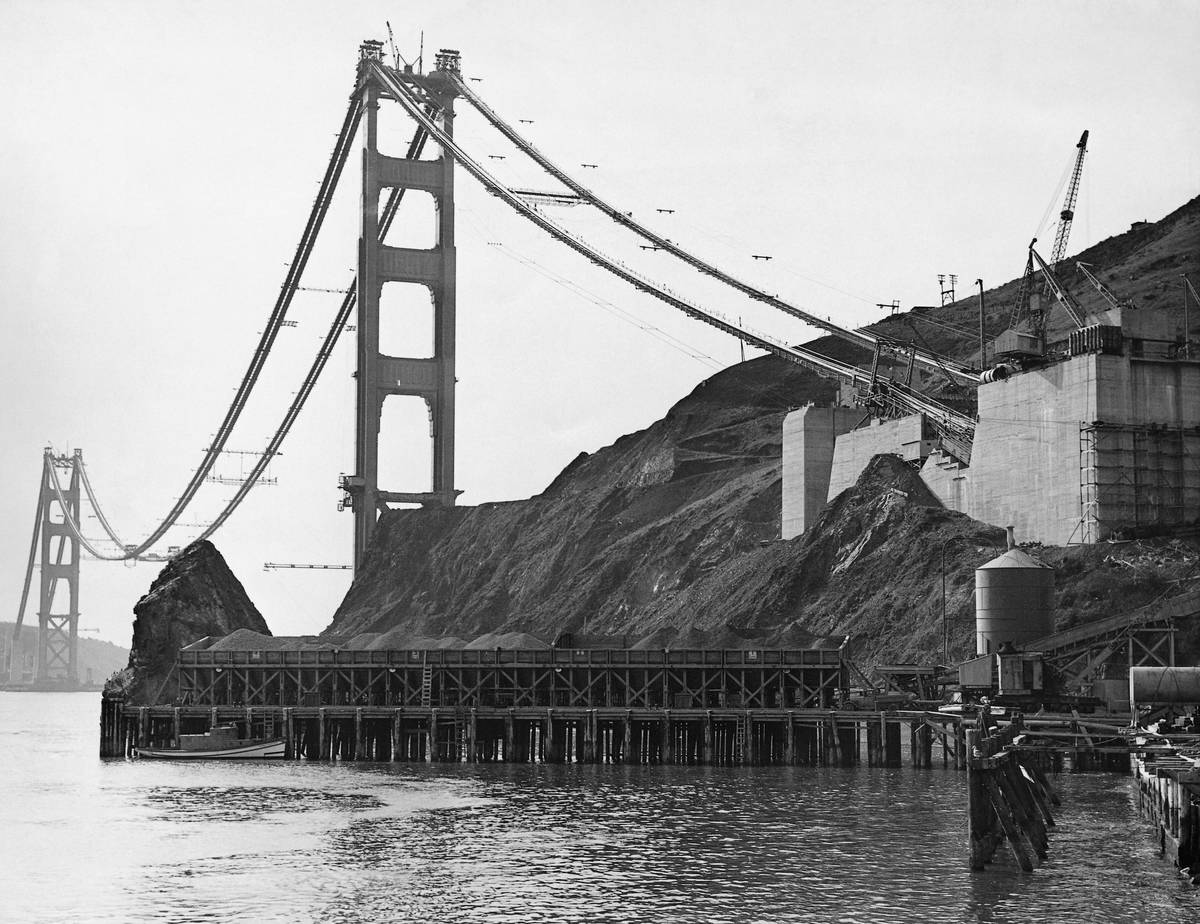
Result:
[1005,800]
[891,742]
[289,734]
[432,755]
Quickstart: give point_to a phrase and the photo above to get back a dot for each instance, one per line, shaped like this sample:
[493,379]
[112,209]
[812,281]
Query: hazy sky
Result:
[159,160]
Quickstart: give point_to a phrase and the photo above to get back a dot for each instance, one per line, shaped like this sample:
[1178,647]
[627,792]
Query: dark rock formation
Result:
[671,534]
[194,596]
[614,545]
[670,537]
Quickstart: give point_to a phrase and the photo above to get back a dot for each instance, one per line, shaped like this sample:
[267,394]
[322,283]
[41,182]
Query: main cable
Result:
[333,172]
[860,337]
[415,147]
[942,415]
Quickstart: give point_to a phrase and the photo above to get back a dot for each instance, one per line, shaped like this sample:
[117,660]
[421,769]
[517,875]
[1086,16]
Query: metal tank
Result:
[1014,600]
[1156,685]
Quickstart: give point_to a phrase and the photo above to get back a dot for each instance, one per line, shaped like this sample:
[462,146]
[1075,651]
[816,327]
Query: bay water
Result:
[85,839]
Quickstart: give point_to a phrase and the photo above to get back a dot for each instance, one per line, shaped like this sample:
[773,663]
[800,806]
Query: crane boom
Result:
[1065,298]
[1105,291]
[1021,306]
[1067,215]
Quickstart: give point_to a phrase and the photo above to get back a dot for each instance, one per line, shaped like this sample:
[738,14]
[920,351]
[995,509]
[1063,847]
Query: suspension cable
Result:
[940,414]
[958,428]
[72,525]
[91,496]
[415,147]
[860,337]
[291,281]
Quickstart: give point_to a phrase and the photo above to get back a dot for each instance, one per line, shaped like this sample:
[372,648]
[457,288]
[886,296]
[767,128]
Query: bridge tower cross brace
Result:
[57,547]
[380,376]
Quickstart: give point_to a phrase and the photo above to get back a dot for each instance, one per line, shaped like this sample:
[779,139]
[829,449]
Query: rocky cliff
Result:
[194,596]
[673,531]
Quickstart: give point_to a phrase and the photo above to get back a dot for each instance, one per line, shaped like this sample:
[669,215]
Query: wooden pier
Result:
[1169,797]
[517,678]
[605,735]
[687,706]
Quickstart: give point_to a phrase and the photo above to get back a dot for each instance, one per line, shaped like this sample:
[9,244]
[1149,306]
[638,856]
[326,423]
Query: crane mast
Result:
[1067,215]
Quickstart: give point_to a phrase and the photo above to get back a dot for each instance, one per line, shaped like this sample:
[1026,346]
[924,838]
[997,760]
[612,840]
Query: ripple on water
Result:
[128,841]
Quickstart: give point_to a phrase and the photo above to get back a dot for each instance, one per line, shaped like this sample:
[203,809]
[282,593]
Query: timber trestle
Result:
[516,678]
[606,735]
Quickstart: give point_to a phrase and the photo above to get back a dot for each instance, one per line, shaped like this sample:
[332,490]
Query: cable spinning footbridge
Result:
[428,100]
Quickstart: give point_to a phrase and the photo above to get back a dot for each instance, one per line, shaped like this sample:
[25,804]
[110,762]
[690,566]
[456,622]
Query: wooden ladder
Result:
[739,754]
[427,685]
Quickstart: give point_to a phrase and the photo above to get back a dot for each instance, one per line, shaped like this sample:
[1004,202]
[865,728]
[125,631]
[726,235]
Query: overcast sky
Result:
[159,160]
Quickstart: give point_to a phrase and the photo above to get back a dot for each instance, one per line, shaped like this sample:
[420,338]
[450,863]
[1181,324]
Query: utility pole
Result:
[947,290]
[982,340]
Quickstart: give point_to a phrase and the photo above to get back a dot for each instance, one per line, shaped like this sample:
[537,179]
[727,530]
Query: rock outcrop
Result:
[670,536]
[194,596]
[615,546]
[672,533]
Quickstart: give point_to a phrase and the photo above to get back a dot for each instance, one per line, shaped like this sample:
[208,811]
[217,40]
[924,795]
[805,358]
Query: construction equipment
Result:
[1065,298]
[1067,215]
[1024,292]
[1035,316]
[1105,292]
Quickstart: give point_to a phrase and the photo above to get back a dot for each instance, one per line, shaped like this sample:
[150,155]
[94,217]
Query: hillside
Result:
[673,531]
[1143,265]
[97,658]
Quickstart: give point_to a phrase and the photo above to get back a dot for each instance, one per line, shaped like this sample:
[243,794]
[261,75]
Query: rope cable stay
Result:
[948,418]
[862,338]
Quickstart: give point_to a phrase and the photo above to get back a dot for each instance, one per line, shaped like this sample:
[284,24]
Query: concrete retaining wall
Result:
[808,440]
[1074,452]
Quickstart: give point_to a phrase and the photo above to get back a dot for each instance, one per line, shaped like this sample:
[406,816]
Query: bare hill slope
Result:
[673,532]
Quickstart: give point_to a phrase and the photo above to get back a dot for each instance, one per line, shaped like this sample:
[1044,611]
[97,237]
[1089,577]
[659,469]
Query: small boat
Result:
[221,743]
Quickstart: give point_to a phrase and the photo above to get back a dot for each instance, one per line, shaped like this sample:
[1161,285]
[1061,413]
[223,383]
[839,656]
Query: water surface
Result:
[91,840]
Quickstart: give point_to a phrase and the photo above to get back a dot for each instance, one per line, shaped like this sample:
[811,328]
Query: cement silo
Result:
[1014,600]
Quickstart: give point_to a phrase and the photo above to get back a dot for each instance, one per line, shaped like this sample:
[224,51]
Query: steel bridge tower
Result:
[381,376]
[56,545]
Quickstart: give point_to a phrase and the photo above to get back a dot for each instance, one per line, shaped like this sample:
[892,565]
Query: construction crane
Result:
[1065,298]
[1024,290]
[1067,215]
[1105,291]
